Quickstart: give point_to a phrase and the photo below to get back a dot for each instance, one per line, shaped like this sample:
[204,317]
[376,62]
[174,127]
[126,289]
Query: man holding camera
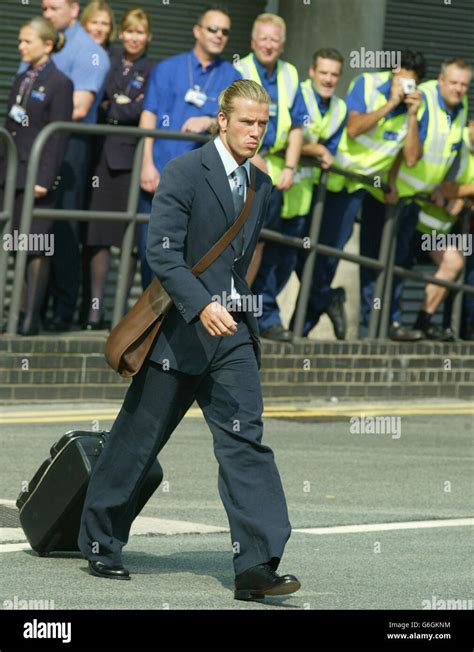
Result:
[382,129]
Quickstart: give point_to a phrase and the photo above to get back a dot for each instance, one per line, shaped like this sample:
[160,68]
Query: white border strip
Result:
[381,527]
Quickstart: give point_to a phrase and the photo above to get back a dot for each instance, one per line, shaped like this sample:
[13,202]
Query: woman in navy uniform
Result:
[124,93]
[40,95]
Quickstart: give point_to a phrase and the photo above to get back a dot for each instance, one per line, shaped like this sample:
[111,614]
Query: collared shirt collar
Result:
[230,164]
[323,106]
[198,65]
[263,72]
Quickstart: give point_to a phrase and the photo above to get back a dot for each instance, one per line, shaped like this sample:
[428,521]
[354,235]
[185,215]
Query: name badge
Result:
[17,113]
[136,83]
[273,110]
[390,135]
[196,97]
[38,95]
[122,99]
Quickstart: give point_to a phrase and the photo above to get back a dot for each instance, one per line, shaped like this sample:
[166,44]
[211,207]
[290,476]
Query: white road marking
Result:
[11,534]
[380,527]
[145,525]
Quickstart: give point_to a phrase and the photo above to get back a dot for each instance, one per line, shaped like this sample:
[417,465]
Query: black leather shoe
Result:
[99,569]
[399,333]
[57,325]
[259,581]
[337,313]
[437,334]
[277,333]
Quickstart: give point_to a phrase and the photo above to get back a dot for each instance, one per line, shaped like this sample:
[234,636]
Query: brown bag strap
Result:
[224,241]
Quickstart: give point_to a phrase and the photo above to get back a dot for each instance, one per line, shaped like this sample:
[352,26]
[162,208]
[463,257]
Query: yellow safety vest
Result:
[438,152]
[297,200]
[287,85]
[373,152]
[433,218]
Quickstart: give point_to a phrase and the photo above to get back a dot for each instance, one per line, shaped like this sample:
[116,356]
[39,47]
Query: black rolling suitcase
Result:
[50,510]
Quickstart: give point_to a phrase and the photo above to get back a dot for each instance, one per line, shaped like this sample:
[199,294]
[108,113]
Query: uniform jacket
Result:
[119,150]
[50,100]
[191,210]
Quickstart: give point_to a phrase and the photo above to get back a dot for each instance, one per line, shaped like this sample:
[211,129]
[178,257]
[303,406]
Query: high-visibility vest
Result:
[297,200]
[433,218]
[373,152]
[287,85]
[438,149]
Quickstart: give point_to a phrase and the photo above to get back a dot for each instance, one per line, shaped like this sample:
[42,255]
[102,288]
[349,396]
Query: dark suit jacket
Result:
[49,101]
[192,209]
[119,150]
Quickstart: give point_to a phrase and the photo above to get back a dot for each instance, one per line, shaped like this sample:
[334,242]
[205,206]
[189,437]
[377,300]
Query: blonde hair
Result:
[133,17]
[93,8]
[269,19]
[46,31]
[245,88]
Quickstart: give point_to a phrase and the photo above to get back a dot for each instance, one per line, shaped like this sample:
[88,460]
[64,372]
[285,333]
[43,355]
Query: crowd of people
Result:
[409,135]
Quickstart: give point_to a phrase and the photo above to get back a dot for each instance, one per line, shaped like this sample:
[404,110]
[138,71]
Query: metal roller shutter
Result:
[171,24]
[438,28]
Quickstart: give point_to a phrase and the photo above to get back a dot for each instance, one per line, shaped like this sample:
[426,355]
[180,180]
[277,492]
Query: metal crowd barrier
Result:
[6,211]
[384,265]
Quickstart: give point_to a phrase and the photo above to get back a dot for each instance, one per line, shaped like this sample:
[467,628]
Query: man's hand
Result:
[450,189]
[437,197]
[397,94]
[286,179]
[260,163]
[413,102]
[327,159]
[40,191]
[149,178]
[198,125]
[391,197]
[455,206]
[216,320]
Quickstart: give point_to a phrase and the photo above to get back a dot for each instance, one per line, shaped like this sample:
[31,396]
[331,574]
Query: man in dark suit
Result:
[204,353]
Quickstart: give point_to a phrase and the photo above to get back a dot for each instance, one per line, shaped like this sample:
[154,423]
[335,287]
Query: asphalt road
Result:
[390,486]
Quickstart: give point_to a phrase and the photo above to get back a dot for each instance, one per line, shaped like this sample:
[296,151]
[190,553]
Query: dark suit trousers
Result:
[229,395]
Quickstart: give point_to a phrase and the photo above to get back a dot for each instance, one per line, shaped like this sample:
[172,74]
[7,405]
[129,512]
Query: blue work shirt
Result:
[85,63]
[355,101]
[332,143]
[167,86]
[298,111]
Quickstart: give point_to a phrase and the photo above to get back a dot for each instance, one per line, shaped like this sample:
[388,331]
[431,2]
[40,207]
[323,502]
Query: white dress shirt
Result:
[230,165]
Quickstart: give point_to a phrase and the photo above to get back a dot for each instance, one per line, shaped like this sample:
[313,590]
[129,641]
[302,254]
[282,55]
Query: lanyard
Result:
[191,77]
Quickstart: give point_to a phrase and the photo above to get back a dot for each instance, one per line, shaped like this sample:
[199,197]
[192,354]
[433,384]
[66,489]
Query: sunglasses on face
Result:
[213,29]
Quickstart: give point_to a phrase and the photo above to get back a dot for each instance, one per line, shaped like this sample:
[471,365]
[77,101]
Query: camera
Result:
[408,85]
